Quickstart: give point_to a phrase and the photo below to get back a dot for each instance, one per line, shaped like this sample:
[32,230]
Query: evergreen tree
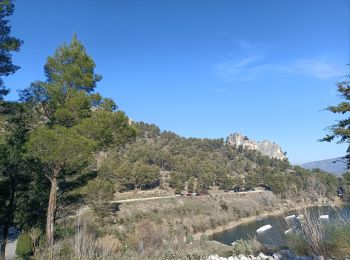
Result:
[341,129]
[190,185]
[15,170]
[73,120]
[8,44]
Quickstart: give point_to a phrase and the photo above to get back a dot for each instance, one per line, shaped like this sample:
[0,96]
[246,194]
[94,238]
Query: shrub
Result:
[35,234]
[204,237]
[169,254]
[24,246]
[297,243]
[189,239]
[315,237]
[242,247]
[224,206]
[340,240]
[98,191]
[195,255]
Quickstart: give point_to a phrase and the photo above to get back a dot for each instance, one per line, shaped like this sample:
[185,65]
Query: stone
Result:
[267,148]
[286,254]
[230,258]
[262,256]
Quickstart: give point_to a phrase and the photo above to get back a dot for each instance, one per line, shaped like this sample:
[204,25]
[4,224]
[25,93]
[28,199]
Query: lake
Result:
[275,235]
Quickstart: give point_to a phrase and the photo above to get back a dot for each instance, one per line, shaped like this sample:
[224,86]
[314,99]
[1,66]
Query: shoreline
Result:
[235,223]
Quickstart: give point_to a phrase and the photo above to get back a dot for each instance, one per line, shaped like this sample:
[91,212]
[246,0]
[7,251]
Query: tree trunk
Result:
[8,221]
[51,210]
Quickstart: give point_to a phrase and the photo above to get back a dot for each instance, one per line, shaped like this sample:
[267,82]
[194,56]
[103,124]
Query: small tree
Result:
[341,129]
[190,185]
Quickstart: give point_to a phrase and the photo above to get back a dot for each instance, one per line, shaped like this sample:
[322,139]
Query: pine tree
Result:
[341,129]
[73,121]
[15,169]
[8,44]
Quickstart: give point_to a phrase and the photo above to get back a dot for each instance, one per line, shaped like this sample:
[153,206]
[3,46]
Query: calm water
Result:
[275,235]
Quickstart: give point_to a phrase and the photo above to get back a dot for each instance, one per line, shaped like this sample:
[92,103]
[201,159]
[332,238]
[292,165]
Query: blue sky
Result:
[204,68]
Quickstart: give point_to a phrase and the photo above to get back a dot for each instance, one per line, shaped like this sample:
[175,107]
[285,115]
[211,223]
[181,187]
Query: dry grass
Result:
[192,215]
[83,245]
[321,237]
[136,194]
[162,229]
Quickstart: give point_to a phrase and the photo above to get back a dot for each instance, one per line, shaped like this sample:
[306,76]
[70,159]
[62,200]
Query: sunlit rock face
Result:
[267,148]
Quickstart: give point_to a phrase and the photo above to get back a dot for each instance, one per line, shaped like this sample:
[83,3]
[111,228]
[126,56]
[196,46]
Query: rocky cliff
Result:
[267,148]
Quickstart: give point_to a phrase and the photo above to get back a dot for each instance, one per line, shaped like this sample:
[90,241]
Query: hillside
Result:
[160,163]
[336,166]
[162,159]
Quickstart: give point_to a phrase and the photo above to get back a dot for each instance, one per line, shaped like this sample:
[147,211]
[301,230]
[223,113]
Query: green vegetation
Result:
[64,146]
[197,165]
[341,129]
[73,122]
[12,126]
[317,237]
[243,247]
[24,246]
[8,44]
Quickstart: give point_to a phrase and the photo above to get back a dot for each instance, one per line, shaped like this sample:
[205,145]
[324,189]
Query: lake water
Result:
[275,235]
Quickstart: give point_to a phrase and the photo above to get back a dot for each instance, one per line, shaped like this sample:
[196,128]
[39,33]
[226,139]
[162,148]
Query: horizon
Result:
[205,69]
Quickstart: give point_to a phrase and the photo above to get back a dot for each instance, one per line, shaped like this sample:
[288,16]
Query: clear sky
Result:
[204,68]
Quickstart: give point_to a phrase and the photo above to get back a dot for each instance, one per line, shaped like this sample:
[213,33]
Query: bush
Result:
[189,239]
[204,237]
[315,237]
[24,246]
[242,247]
[224,206]
[340,240]
[297,243]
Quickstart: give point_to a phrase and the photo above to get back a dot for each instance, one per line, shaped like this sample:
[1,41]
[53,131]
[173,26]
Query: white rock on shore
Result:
[282,255]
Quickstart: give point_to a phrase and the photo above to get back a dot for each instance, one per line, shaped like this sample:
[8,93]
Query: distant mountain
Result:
[265,147]
[337,166]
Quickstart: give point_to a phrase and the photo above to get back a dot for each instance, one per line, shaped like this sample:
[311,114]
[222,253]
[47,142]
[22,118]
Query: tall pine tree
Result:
[74,121]
[8,44]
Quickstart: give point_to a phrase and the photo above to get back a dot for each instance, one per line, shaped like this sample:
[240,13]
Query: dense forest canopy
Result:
[173,160]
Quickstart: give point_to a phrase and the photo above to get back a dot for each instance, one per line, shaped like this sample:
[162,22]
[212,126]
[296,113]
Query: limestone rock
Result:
[265,147]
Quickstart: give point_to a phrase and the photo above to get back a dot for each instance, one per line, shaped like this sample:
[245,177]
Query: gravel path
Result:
[10,251]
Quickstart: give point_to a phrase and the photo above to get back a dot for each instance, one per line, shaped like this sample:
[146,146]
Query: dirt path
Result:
[85,209]
[10,251]
[143,199]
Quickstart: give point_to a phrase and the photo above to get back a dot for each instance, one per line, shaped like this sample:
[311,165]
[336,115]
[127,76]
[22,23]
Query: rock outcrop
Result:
[267,148]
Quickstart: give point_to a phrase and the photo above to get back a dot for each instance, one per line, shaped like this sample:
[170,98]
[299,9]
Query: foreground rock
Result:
[282,255]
